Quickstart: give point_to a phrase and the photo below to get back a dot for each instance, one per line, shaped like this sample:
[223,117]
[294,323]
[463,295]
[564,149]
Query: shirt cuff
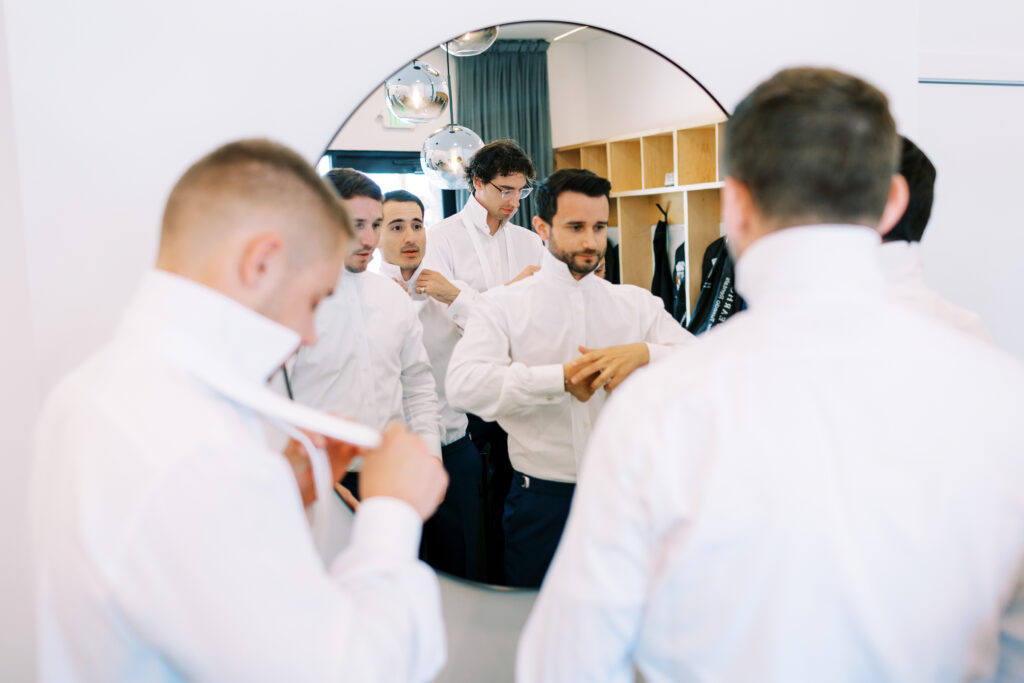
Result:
[659,351]
[548,381]
[460,308]
[433,443]
[385,529]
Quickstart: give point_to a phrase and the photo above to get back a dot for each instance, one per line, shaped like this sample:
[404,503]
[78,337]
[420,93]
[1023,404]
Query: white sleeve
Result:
[439,258]
[664,333]
[460,309]
[223,578]
[588,614]
[483,380]
[419,393]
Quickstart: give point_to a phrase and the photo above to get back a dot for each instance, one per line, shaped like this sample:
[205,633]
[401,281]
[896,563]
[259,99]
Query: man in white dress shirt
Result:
[171,542]
[450,536]
[541,355]
[473,251]
[369,363]
[479,248]
[901,250]
[823,488]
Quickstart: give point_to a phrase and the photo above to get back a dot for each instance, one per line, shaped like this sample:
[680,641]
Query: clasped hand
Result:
[400,468]
[606,367]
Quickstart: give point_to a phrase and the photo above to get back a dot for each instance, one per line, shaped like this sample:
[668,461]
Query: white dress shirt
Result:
[462,248]
[172,544]
[508,365]
[822,488]
[904,275]
[368,363]
[440,335]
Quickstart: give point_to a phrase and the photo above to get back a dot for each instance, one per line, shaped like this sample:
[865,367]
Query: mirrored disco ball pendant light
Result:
[417,93]
[472,43]
[446,150]
[445,154]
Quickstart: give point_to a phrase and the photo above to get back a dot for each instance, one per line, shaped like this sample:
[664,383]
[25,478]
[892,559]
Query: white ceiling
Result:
[548,30]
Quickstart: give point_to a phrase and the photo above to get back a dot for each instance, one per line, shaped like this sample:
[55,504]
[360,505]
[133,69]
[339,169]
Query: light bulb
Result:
[417,93]
[472,43]
[445,153]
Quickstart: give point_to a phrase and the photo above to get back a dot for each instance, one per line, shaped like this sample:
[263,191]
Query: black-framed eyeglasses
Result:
[521,193]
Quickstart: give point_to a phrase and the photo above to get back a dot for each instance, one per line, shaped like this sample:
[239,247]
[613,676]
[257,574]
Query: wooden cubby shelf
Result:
[679,168]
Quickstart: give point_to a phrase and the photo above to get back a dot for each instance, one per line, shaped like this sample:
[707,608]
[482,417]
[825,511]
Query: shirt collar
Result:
[391,271]
[395,272]
[901,261]
[207,331]
[552,268]
[811,263]
[477,214]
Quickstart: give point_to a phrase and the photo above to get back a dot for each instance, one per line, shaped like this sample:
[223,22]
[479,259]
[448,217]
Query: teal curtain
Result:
[503,93]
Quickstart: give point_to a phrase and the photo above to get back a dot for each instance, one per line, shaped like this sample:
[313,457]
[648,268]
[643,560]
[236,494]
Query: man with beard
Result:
[478,249]
[450,536]
[369,363]
[541,355]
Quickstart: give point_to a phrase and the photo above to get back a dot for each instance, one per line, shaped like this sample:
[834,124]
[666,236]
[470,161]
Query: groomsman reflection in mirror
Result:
[476,250]
[369,363]
[450,536]
[541,355]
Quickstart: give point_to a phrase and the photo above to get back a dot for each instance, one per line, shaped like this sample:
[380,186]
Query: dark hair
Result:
[919,171]
[351,183]
[403,196]
[501,157]
[814,146]
[568,180]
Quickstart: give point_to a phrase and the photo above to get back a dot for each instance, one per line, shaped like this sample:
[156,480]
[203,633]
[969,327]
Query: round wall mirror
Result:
[569,96]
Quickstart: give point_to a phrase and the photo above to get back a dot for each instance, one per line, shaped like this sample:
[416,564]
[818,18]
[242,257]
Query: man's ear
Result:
[262,263]
[478,185]
[737,213]
[896,205]
[542,228]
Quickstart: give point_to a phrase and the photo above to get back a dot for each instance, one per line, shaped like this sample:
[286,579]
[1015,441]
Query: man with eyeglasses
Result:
[542,356]
[473,251]
[478,248]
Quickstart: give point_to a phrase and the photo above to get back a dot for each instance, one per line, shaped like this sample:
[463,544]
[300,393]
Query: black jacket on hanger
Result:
[718,298]
[662,284]
[679,281]
[611,264]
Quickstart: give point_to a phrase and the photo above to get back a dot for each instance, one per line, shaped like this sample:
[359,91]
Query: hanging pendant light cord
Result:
[451,88]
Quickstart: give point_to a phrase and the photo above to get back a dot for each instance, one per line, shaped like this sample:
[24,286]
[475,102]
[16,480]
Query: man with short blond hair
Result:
[171,542]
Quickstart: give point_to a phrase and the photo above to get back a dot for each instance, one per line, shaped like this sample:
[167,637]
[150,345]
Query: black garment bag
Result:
[611,264]
[662,285]
[679,278]
[718,298]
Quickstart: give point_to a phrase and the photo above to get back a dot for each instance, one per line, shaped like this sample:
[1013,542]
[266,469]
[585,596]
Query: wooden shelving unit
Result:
[679,168]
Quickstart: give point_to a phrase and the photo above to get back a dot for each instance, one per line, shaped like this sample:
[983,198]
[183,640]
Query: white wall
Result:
[972,133]
[568,92]
[365,128]
[626,89]
[975,240]
[17,411]
[113,98]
